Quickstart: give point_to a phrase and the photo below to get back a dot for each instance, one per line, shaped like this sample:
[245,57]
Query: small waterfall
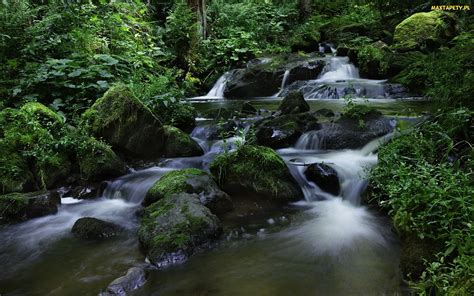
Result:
[339,68]
[311,140]
[284,82]
[217,91]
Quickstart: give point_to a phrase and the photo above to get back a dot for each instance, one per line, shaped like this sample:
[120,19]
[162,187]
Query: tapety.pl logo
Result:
[450,7]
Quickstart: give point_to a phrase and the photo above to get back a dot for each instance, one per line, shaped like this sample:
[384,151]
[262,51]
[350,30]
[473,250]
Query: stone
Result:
[172,229]
[255,170]
[94,229]
[324,176]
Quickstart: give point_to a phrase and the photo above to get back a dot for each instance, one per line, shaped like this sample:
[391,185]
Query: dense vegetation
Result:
[57,58]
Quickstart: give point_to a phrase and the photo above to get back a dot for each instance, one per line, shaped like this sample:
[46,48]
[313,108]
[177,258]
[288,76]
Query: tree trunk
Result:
[199,6]
[304,7]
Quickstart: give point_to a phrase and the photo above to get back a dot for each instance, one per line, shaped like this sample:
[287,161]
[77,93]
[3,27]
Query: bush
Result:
[424,180]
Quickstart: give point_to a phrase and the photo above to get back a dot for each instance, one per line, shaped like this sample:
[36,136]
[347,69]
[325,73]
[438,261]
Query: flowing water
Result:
[323,245]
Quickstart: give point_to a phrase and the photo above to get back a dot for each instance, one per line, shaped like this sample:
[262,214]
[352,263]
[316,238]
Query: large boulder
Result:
[324,176]
[15,174]
[293,103]
[179,144]
[425,30]
[97,161]
[347,133]
[125,123]
[131,281]
[253,82]
[190,181]
[93,229]
[262,78]
[255,170]
[28,160]
[17,207]
[172,228]
[283,131]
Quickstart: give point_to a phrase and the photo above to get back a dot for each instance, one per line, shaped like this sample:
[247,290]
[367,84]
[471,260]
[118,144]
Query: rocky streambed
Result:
[262,197]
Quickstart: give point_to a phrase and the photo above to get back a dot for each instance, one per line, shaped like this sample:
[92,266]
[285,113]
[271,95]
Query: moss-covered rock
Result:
[97,161]
[125,123]
[17,207]
[179,144]
[172,228]
[293,103]
[256,170]
[425,30]
[190,181]
[14,172]
[283,131]
[42,113]
[93,228]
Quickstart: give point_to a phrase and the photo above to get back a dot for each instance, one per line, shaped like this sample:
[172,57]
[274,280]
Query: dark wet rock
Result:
[172,228]
[93,228]
[88,191]
[17,207]
[247,108]
[325,112]
[425,31]
[350,133]
[306,71]
[131,281]
[218,130]
[324,176]
[190,181]
[253,82]
[255,170]
[125,123]
[179,144]
[283,131]
[265,78]
[293,103]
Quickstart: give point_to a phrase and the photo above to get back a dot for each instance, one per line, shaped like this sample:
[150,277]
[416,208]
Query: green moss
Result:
[12,207]
[42,113]
[424,29]
[256,168]
[117,106]
[173,182]
[97,160]
[14,171]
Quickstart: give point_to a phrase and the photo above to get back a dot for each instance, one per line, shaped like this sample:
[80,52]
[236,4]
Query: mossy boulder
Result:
[283,131]
[126,123]
[17,207]
[172,228]
[425,30]
[255,170]
[93,229]
[293,103]
[42,113]
[98,161]
[179,144]
[14,171]
[190,181]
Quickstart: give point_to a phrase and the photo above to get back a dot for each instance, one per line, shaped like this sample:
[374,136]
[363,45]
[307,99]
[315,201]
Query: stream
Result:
[323,245]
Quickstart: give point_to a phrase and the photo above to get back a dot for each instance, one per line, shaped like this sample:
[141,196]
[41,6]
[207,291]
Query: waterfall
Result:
[283,83]
[339,68]
[217,91]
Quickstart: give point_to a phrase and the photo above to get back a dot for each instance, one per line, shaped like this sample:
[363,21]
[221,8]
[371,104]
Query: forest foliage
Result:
[67,54]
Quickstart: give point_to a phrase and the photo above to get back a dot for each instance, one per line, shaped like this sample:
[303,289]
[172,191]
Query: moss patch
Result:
[179,144]
[42,113]
[171,183]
